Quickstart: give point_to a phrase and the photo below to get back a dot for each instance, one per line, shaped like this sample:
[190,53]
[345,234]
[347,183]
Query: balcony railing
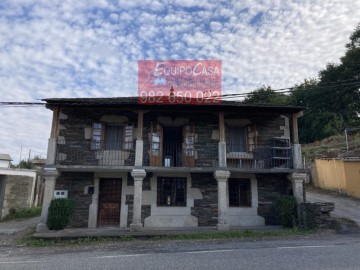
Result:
[259,156]
[180,155]
[256,157]
[89,152]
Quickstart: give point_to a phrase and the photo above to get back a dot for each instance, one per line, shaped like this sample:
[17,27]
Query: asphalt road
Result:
[344,206]
[334,252]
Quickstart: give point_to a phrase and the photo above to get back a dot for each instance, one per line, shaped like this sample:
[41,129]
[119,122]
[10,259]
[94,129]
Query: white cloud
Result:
[91,48]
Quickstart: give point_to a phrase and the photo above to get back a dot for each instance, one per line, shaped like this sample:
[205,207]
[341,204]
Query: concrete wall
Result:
[342,175]
[329,174]
[17,189]
[352,176]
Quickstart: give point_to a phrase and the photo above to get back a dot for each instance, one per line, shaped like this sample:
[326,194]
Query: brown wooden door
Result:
[156,145]
[188,146]
[109,202]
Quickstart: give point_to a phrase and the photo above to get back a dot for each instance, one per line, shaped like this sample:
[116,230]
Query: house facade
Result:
[139,166]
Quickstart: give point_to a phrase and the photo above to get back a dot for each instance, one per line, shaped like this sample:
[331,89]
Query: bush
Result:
[60,212]
[286,209]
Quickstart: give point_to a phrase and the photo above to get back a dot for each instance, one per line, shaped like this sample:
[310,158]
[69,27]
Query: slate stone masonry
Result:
[206,209]
[75,183]
[269,187]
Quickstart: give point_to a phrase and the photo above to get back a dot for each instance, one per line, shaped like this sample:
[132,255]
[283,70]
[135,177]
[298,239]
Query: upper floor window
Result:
[237,139]
[112,137]
[96,136]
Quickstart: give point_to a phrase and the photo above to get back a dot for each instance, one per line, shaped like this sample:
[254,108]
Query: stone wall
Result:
[74,148]
[206,209]
[17,194]
[317,215]
[269,187]
[75,183]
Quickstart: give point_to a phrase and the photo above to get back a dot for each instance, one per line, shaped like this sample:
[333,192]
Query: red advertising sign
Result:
[179,81]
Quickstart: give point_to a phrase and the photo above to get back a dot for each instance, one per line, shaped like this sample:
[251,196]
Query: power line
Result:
[325,86]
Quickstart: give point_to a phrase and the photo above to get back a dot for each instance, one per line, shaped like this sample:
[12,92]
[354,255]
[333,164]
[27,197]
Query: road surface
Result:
[333,252]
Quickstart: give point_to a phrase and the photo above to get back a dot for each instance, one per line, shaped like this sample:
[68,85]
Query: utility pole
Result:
[346,137]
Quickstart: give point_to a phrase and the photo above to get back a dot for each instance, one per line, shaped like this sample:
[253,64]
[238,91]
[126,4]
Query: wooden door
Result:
[188,148]
[109,202]
[156,145]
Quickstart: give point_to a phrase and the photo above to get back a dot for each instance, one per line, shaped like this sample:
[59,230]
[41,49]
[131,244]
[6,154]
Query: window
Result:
[237,139]
[128,143]
[96,136]
[239,192]
[113,137]
[171,191]
[189,140]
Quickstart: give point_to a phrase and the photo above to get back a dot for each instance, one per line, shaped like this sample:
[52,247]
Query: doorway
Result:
[172,146]
[109,202]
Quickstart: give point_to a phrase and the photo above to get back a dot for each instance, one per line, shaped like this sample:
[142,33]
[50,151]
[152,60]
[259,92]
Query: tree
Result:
[265,95]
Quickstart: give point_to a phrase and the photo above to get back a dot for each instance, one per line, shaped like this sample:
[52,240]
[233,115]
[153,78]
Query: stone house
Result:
[139,166]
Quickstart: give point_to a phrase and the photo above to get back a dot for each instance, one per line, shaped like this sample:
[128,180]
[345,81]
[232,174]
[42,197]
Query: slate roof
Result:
[5,157]
[133,102]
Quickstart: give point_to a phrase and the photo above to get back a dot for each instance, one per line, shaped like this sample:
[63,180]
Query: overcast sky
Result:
[90,49]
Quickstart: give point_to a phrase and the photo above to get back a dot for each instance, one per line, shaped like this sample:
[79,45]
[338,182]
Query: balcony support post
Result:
[297,158]
[51,151]
[222,179]
[139,146]
[138,175]
[50,174]
[222,142]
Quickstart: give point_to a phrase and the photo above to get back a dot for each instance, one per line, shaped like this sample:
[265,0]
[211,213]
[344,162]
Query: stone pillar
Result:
[139,175]
[297,180]
[93,208]
[50,175]
[51,151]
[222,179]
[139,148]
[297,158]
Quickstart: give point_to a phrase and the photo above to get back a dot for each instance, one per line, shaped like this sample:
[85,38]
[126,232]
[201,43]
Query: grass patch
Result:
[234,234]
[22,213]
[31,241]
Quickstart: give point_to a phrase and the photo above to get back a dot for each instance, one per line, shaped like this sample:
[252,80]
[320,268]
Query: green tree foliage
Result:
[332,102]
[265,95]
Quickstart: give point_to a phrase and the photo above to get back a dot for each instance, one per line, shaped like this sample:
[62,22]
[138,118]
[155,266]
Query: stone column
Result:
[50,174]
[139,175]
[222,179]
[297,180]
[93,208]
